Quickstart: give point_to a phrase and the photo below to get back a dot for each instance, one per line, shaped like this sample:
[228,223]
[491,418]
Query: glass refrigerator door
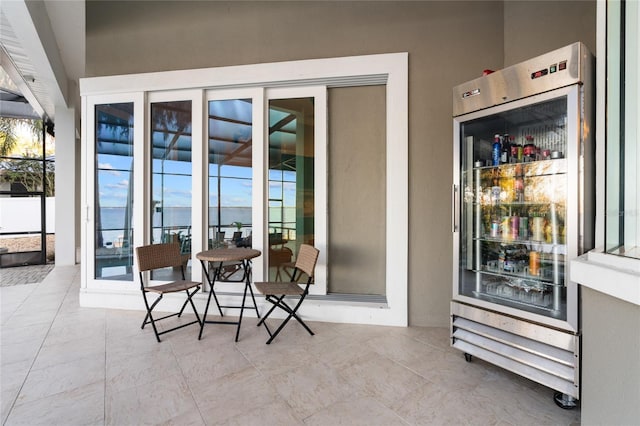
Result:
[514,208]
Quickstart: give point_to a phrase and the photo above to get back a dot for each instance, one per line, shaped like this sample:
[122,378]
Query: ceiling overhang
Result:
[31,57]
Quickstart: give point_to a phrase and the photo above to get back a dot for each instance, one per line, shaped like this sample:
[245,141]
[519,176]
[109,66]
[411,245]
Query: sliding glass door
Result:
[296,176]
[230,172]
[147,158]
[237,168]
[171,174]
[113,195]
[291,184]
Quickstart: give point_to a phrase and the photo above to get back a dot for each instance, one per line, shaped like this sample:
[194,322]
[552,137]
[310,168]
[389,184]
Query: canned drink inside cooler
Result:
[534,263]
[495,229]
[506,228]
[524,228]
[537,228]
[515,227]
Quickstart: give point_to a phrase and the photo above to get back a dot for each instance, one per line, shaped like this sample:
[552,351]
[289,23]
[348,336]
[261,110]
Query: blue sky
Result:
[114,175]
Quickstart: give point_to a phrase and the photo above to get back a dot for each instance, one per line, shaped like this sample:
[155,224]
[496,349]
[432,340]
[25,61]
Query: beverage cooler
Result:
[523,206]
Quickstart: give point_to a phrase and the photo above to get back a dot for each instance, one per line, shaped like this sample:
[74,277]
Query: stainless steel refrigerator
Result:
[523,206]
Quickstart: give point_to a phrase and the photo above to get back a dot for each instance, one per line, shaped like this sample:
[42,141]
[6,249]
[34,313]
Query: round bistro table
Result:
[241,258]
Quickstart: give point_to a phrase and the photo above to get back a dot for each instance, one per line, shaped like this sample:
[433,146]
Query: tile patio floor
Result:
[68,365]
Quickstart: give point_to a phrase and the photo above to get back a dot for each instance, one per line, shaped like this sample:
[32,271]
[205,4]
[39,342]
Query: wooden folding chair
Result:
[275,292]
[158,256]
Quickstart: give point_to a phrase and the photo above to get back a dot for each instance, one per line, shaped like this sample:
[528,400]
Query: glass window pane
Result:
[114,191]
[230,172]
[171,175]
[291,181]
[615,133]
[622,232]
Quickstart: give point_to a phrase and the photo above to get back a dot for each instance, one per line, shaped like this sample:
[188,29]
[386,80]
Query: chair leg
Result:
[275,333]
[255,305]
[190,300]
[292,313]
[149,316]
[275,305]
[283,305]
[295,315]
[206,309]
[184,305]
[216,276]
[244,298]
[150,319]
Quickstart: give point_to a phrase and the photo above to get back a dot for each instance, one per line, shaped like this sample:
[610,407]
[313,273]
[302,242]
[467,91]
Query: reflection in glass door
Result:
[291,181]
[114,191]
[230,171]
[171,171]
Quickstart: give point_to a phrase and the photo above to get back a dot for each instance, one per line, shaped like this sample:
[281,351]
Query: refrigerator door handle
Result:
[455,207]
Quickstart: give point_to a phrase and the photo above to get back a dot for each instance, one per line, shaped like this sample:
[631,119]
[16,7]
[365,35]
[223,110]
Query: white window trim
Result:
[613,275]
[384,69]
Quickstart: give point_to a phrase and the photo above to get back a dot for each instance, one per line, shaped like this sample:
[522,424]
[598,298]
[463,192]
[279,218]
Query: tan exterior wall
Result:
[448,43]
[532,28]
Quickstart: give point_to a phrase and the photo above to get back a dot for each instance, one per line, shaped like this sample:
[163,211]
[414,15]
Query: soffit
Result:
[42,46]
[19,69]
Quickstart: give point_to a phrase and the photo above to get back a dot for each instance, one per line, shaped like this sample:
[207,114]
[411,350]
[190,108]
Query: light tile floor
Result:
[67,365]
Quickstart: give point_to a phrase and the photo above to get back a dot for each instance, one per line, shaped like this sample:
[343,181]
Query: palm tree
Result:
[8,139]
[8,135]
[20,168]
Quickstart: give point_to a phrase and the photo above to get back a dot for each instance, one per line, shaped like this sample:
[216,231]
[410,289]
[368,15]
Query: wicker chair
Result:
[275,292]
[158,256]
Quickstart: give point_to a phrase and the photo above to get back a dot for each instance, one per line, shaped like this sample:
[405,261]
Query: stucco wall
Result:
[610,357]
[448,43]
[532,28]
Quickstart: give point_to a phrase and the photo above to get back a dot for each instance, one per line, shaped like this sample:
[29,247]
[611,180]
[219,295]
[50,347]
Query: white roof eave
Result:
[30,44]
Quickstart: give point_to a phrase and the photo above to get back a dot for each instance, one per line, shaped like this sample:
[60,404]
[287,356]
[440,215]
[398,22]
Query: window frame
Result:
[88,196]
[319,93]
[389,69]
[613,275]
[622,222]
[257,199]
[195,97]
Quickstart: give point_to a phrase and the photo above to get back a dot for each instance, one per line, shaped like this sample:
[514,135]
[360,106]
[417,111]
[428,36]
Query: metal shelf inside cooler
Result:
[530,169]
[532,278]
[546,247]
[494,297]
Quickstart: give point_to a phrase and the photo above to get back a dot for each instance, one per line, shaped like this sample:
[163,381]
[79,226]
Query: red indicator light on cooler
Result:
[562,66]
[539,73]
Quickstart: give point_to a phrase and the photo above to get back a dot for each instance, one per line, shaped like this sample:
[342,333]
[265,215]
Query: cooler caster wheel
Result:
[468,357]
[565,401]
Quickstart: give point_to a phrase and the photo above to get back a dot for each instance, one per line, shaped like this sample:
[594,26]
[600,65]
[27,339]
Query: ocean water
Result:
[178,219]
